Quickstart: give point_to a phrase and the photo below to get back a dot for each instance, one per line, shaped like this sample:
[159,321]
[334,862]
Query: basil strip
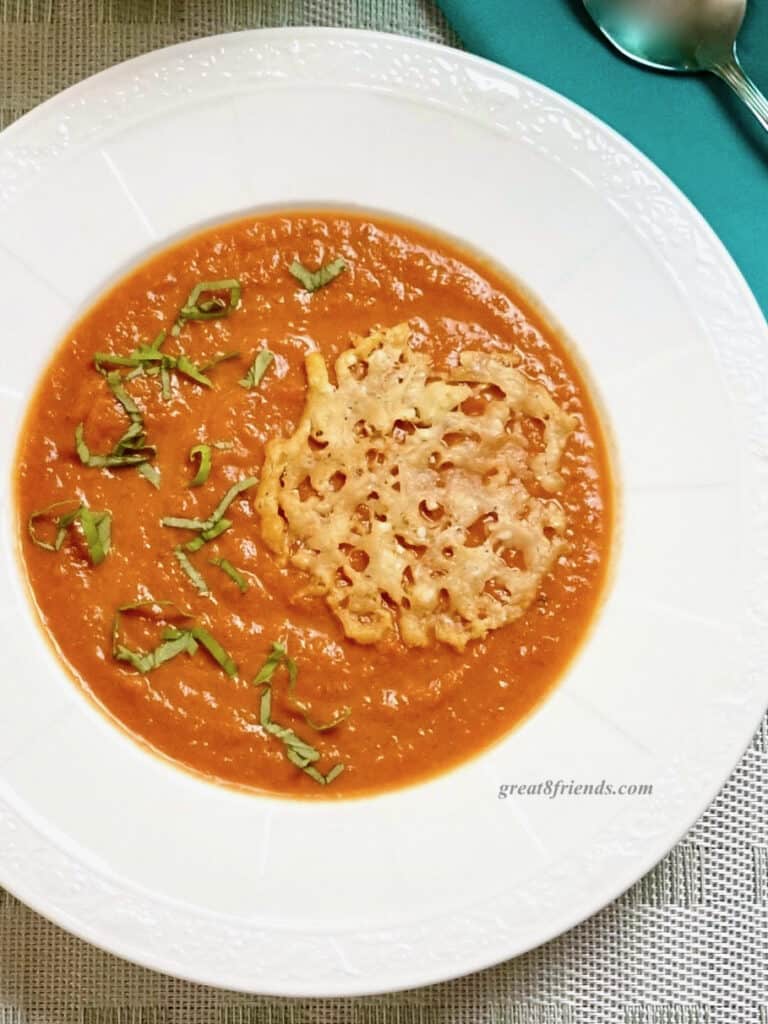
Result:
[45,513]
[297,751]
[175,641]
[172,646]
[206,524]
[136,359]
[314,279]
[213,308]
[259,367]
[214,648]
[236,577]
[141,355]
[277,657]
[229,497]
[146,661]
[205,453]
[184,365]
[165,383]
[196,579]
[210,534]
[179,523]
[97,530]
[96,527]
[131,449]
[220,357]
[150,473]
[110,460]
[115,384]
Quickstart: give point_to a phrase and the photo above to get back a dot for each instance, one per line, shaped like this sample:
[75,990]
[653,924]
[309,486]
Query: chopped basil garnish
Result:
[277,658]
[214,648]
[297,750]
[220,357]
[96,527]
[185,366]
[97,530]
[60,522]
[165,383]
[260,365]
[149,360]
[204,302]
[150,473]
[206,525]
[229,497]
[226,567]
[110,460]
[179,523]
[194,576]
[175,641]
[314,279]
[132,448]
[135,360]
[210,534]
[203,452]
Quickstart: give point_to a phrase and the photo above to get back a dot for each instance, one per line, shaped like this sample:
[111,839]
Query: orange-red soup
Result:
[414,712]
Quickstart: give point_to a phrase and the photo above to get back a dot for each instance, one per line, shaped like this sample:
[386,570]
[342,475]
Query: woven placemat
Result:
[687,945]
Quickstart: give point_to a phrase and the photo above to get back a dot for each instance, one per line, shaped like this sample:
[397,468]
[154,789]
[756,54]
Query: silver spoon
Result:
[682,35]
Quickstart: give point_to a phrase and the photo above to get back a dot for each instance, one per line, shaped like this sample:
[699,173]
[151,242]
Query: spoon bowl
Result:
[681,35]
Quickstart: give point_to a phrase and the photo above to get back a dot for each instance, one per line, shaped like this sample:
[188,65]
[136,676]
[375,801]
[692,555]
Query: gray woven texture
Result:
[687,945]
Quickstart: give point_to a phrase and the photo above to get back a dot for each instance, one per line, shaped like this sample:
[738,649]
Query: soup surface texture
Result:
[196,635]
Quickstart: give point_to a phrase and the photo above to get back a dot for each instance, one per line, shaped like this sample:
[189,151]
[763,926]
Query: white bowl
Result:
[268,895]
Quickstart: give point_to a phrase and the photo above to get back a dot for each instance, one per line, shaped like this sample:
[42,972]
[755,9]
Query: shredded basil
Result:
[60,522]
[206,535]
[278,657]
[297,750]
[175,641]
[314,279]
[143,661]
[214,648]
[149,360]
[220,357]
[226,567]
[213,519]
[135,360]
[150,473]
[198,307]
[235,490]
[97,530]
[259,367]
[274,659]
[112,459]
[185,366]
[194,576]
[132,448]
[96,527]
[205,453]
[179,523]
[165,383]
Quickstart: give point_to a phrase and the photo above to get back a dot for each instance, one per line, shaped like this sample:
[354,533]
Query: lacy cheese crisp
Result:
[419,501]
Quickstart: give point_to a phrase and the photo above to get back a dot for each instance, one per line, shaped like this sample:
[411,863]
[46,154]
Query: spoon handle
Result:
[734,75]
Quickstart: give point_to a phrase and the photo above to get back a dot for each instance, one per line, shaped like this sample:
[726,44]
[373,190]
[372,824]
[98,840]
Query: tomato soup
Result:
[140,533]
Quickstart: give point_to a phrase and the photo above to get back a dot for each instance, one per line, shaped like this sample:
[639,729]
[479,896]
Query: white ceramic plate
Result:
[274,896]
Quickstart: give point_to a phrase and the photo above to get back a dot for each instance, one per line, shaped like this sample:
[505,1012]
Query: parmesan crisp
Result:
[419,501]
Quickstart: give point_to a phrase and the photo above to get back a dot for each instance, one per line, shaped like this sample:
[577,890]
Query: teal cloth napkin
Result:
[689,125]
